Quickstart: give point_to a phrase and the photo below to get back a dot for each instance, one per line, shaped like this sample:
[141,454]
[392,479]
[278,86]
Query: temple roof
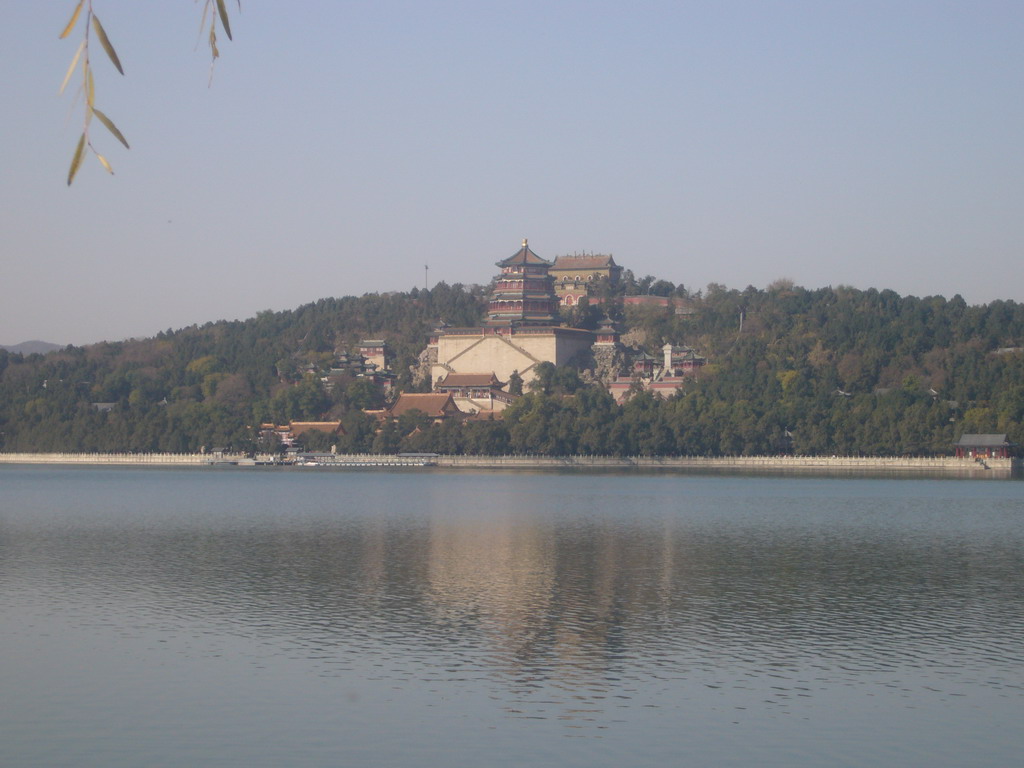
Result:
[433,404]
[469,380]
[584,262]
[983,441]
[299,428]
[524,256]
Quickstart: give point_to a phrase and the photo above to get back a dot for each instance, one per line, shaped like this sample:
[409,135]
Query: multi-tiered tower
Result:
[524,292]
[522,328]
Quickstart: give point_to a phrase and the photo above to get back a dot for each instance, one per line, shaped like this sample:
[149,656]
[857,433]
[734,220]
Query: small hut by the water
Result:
[984,447]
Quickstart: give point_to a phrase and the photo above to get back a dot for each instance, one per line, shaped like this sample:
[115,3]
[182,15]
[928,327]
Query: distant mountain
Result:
[31,347]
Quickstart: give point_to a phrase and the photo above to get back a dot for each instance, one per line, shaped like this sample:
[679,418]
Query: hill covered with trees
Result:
[791,370]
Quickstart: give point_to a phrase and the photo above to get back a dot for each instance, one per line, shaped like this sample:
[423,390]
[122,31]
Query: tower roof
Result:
[524,256]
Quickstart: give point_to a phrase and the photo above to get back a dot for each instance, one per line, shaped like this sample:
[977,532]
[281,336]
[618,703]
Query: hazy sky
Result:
[343,145]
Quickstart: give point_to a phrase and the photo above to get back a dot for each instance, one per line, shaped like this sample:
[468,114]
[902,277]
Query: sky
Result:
[342,146]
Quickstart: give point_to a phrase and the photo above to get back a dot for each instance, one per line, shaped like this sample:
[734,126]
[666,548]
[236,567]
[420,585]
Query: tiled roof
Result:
[983,441]
[300,427]
[523,256]
[433,404]
[469,380]
[583,262]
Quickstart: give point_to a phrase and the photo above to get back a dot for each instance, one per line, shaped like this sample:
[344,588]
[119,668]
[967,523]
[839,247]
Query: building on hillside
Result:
[268,430]
[522,327]
[299,431]
[680,360]
[662,377]
[371,362]
[575,276]
[291,433]
[522,330]
[984,447]
[375,352]
[606,335]
[476,393]
[523,294]
[608,353]
[300,428]
[644,365]
[436,406]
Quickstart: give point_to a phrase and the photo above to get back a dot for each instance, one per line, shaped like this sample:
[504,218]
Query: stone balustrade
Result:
[815,464]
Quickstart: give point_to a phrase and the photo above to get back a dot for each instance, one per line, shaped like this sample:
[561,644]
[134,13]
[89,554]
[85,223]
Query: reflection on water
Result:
[590,602]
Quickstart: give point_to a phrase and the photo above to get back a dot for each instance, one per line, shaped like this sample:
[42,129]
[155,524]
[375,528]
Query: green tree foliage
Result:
[210,385]
[828,371]
[515,383]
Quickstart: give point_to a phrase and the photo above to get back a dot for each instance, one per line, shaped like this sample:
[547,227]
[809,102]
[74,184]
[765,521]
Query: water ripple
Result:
[571,614]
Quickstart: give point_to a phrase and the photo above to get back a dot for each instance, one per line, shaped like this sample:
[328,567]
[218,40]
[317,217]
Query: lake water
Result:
[185,617]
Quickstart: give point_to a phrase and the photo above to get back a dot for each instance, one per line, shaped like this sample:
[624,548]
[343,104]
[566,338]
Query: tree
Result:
[543,377]
[662,288]
[364,395]
[515,383]
[812,372]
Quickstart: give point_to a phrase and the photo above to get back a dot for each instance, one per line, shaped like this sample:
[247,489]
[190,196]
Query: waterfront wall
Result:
[108,458]
[822,464]
[782,464]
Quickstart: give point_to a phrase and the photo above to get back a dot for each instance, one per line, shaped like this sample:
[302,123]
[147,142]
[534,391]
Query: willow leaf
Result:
[110,127]
[74,20]
[224,17]
[202,21]
[105,42]
[104,163]
[76,160]
[90,89]
[74,63]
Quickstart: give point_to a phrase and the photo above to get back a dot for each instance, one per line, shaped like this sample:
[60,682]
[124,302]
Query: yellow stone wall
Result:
[479,353]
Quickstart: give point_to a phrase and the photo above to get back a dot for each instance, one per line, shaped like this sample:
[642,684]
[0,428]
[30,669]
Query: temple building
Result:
[375,352]
[372,362]
[973,446]
[522,327]
[476,393]
[662,377]
[575,276]
[522,330]
[523,293]
[437,406]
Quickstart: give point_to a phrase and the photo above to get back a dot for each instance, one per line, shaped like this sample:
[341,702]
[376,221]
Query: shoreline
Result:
[821,465]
